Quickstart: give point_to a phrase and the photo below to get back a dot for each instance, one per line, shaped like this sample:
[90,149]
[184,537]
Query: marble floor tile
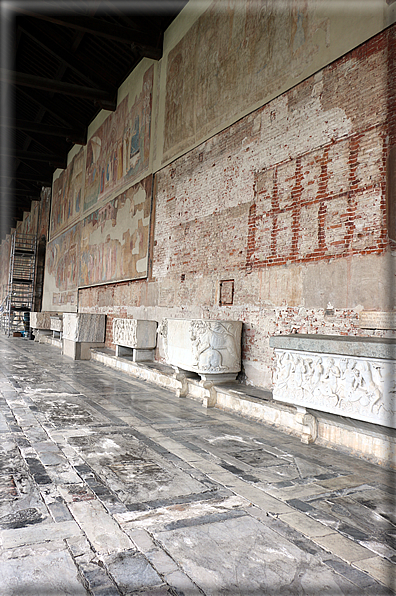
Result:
[110,485]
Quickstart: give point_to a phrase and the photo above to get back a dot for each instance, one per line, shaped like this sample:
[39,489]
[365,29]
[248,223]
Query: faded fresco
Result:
[45,205]
[210,80]
[29,223]
[61,271]
[66,196]
[114,238]
[120,148]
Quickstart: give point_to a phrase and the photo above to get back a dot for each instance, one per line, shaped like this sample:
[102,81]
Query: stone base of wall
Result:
[368,441]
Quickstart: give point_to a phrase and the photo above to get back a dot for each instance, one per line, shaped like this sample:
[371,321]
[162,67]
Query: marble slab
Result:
[369,347]
[56,324]
[135,333]
[46,572]
[84,327]
[40,320]
[242,555]
[371,319]
[361,388]
[210,348]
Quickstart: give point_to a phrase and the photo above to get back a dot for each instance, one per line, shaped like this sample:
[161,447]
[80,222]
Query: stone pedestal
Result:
[135,338]
[212,349]
[81,332]
[354,377]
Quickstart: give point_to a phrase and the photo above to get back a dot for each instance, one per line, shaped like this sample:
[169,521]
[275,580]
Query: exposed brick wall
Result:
[301,179]
[290,204]
[298,182]
[326,203]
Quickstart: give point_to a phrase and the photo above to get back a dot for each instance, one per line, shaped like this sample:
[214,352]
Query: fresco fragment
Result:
[114,238]
[66,195]
[120,148]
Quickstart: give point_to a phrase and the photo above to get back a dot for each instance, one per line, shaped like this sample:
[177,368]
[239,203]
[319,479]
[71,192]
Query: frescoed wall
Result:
[120,148]
[110,244]
[96,234]
[29,223]
[66,194]
[45,207]
[114,238]
[61,271]
[237,56]
[234,57]
[4,265]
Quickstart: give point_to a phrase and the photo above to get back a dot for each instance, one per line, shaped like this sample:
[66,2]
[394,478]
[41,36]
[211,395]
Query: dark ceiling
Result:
[62,64]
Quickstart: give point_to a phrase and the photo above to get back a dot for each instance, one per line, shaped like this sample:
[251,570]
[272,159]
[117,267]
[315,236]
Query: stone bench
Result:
[212,349]
[81,332]
[351,376]
[136,338]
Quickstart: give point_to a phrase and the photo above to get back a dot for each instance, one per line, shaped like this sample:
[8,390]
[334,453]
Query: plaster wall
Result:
[222,60]
[289,206]
[268,149]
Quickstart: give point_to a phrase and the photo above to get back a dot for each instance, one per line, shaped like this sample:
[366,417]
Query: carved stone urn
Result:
[212,349]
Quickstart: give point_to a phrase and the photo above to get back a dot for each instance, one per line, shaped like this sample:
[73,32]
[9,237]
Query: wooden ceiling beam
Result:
[66,57]
[44,84]
[14,196]
[51,107]
[15,201]
[55,159]
[39,179]
[77,136]
[101,28]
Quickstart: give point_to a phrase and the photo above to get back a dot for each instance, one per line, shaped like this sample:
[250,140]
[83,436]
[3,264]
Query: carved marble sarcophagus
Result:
[210,348]
[353,377]
[81,332]
[136,338]
[57,326]
[40,322]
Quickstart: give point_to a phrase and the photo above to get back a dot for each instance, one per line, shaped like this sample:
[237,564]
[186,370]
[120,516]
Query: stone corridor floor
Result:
[110,486]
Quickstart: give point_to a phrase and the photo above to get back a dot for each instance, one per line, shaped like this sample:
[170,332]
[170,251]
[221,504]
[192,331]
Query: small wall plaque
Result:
[226,292]
[377,320]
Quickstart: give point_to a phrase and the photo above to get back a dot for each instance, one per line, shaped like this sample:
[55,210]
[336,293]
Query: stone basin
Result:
[210,348]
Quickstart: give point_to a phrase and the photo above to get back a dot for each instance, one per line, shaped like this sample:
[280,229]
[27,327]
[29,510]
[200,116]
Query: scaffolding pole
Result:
[19,296]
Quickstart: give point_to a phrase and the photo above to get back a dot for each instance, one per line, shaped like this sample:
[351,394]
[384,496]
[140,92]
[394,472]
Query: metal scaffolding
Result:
[19,296]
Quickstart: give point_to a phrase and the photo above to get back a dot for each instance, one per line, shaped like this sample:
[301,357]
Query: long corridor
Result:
[110,485]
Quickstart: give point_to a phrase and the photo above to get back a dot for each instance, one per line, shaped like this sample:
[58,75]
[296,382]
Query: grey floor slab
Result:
[258,562]
[41,574]
[111,485]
